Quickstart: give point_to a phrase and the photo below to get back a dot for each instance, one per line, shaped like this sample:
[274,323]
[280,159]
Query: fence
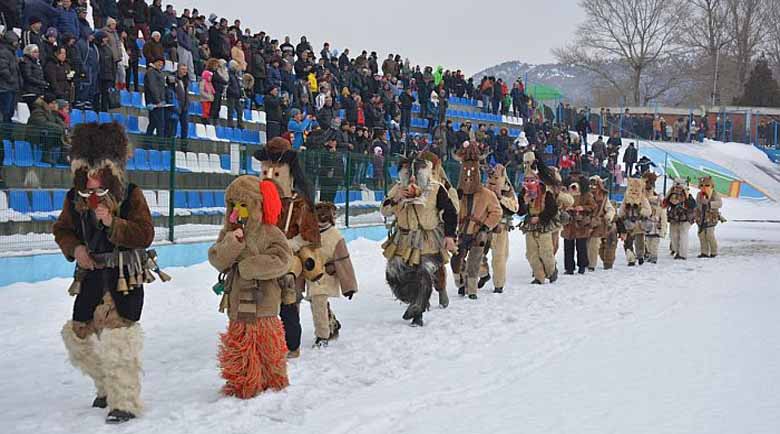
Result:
[183,182]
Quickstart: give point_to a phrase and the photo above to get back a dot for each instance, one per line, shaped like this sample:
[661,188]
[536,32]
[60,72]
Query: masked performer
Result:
[422,237]
[105,225]
[708,204]
[338,279]
[680,210]
[499,184]
[634,215]
[539,206]
[600,222]
[658,225]
[252,254]
[576,232]
[299,224]
[479,214]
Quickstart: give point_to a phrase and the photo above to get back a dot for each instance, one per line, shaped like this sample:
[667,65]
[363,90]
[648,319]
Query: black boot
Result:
[568,272]
[100,402]
[703,256]
[412,311]
[462,291]
[641,261]
[417,321]
[498,291]
[554,276]
[536,282]
[591,269]
[472,296]
[320,343]
[482,281]
[118,416]
[581,270]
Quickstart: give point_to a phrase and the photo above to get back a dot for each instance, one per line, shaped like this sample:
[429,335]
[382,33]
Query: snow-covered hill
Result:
[679,347]
[575,83]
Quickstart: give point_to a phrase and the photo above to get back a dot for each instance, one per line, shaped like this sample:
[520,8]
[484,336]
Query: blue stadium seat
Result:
[254,137]
[19,201]
[379,196]
[193,199]
[8,153]
[104,118]
[125,98]
[132,125]
[137,102]
[220,132]
[141,160]
[194,88]
[355,195]
[155,161]
[224,161]
[76,117]
[90,116]
[195,108]
[58,198]
[166,160]
[119,118]
[141,78]
[130,165]
[23,154]
[207,201]
[37,151]
[191,131]
[247,114]
[41,203]
[219,198]
[341,197]
[180,199]
[259,99]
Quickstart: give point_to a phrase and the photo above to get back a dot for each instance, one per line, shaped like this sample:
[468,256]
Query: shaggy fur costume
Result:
[253,357]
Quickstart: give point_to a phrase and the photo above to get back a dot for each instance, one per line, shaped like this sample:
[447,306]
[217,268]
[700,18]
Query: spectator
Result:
[116,46]
[273,111]
[328,112]
[274,74]
[40,9]
[407,102]
[344,62]
[220,80]
[157,18]
[325,53]
[68,20]
[288,49]
[389,67]
[45,126]
[33,36]
[170,43]
[70,42]
[331,169]
[234,96]
[48,45]
[59,74]
[10,83]
[237,54]
[303,46]
[630,158]
[154,92]
[63,110]
[259,72]
[599,149]
[299,126]
[107,74]
[88,83]
[206,89]
[141,18]
[85,29]
[133,55]
[503,147]
[153,48]
[33,82]
[181,91]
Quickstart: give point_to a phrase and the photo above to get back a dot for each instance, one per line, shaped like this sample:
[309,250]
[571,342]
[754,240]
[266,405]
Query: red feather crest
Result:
[272,203]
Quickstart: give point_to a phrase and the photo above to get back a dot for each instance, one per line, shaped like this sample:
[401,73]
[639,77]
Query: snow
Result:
[679,347]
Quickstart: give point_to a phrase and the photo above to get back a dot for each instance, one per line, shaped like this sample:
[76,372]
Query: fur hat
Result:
[279,150]
[100,150]
[261,198]
[597,182]
[706,180]
[650,177]
[326,212]
[679,182]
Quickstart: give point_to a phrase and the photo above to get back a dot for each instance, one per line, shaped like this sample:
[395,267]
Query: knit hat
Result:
[34,20]
[295,112]
[99,35]
[110,21]
[212,18]
[51,31]
[49,98]
[156,33]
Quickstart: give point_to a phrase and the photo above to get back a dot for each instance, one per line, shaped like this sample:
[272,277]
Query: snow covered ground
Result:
[678,347]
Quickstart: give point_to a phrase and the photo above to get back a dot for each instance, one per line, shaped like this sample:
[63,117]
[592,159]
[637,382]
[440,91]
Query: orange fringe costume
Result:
[252,353]
[253,357]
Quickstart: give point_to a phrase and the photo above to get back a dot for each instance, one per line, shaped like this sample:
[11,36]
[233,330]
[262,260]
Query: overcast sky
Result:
[457,34]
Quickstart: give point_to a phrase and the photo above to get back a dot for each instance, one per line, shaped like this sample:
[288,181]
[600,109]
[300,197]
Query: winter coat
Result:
[299,129]
[85,29]
[602,215]
[10,78]
[205,87]
[339,277]
[485,212]
[237,54]
[153,50]
[107,64]
[234,85]
[57,75]
[708,209]
[154,87]
[258,67]
[30,37]
[33,82]
[41,9]
[580,224]
[68,21]
[45,127]
[274,78]
[157,19]
[273,108]
[46,50]
[635,217]
[599,150]
[90,61]
[220,80]
[253,268]
[630,156]
[683,210]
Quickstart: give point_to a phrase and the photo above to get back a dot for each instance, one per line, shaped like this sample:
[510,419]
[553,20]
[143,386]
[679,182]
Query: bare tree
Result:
[773,33]
[626,37]
[748,31]
[706,32]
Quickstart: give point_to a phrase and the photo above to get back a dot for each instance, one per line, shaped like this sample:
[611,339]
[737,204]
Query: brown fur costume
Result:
[252,352]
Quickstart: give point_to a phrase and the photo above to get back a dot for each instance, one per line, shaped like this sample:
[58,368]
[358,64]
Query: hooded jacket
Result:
[10,78]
